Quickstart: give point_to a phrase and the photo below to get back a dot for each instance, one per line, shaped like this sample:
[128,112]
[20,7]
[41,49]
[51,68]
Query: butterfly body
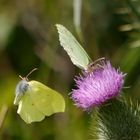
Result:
[35,101]
[21,88]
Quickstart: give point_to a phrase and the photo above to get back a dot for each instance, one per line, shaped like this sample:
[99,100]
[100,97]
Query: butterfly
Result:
[77,54]
[35,100]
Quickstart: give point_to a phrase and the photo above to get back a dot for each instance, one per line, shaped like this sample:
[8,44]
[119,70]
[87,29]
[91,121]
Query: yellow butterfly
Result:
[35,100]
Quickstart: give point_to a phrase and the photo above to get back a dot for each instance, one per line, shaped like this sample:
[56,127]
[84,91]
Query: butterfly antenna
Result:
[31,72]
[20,77]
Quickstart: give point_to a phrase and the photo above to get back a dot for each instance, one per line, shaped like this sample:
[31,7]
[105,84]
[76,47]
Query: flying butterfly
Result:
[35,100]
[77,54]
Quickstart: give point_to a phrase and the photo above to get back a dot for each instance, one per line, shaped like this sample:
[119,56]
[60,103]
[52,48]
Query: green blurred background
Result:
[29,39]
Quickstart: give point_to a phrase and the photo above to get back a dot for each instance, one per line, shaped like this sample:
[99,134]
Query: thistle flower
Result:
[98,86]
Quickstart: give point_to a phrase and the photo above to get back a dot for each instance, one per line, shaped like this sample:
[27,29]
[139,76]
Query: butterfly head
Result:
[22,87]
[97,64]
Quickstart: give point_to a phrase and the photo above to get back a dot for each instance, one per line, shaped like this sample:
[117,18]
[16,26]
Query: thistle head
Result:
[98,86]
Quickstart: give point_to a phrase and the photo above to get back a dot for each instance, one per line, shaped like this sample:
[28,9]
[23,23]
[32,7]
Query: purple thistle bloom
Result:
[98,86]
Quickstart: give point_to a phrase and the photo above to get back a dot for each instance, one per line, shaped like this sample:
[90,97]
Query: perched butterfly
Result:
[77,54]
[35,100]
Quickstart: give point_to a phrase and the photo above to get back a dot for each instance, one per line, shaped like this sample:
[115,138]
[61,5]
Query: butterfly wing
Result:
[78,55]
[46,100]
[28,111]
